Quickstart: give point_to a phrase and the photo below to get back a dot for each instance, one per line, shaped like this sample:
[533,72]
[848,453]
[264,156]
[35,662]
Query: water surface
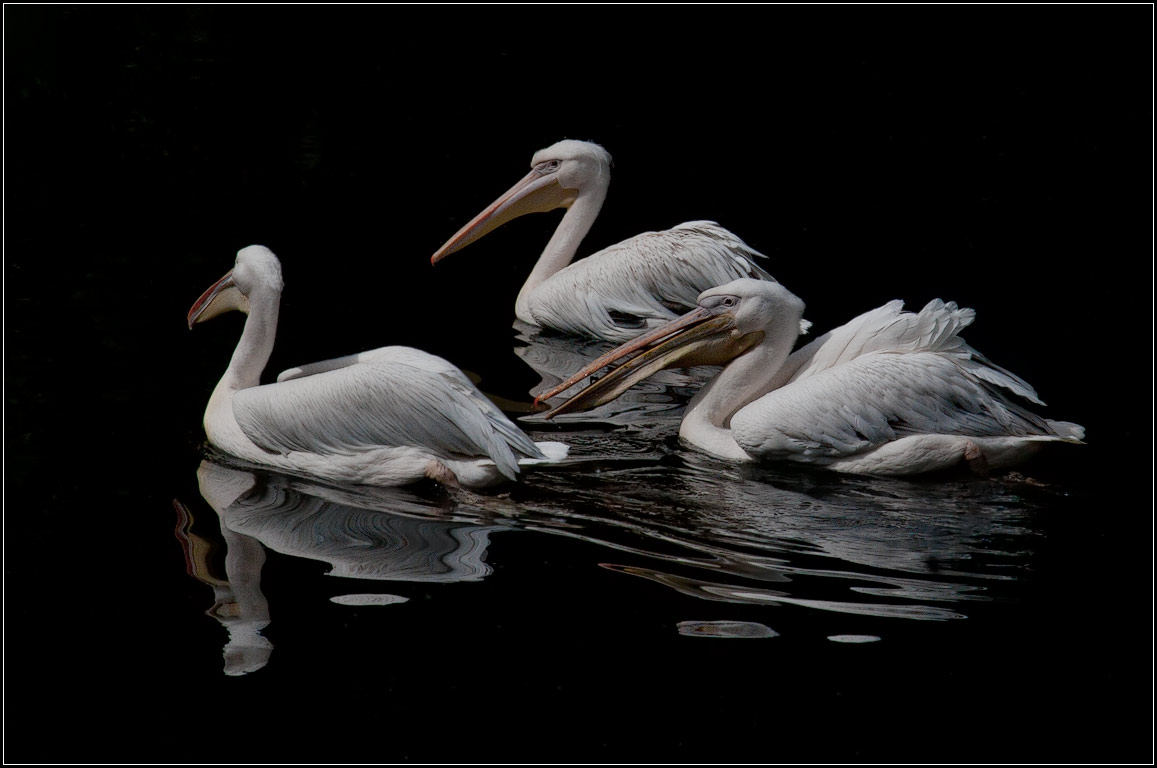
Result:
[642,602]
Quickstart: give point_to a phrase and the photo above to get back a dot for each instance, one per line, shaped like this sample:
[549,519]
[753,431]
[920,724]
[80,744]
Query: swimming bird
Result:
[389,416]
[621,291]
[890,393]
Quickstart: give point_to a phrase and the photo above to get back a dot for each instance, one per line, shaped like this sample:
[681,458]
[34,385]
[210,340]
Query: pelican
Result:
[390,416]
[890,393]
[621,291]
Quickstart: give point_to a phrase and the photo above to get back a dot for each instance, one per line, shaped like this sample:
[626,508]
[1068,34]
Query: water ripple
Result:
[709,531]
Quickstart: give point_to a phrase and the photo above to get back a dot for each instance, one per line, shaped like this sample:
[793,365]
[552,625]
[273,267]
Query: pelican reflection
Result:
[735,538]
[362,532]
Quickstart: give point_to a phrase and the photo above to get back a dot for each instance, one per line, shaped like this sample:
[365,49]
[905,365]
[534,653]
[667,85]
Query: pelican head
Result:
[256,269]
[558,175]
[729,321]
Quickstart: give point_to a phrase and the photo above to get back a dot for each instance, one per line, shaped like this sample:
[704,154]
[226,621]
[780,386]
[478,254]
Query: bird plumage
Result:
[389,416]
[886,375]
[891,392]
[642,282]
[618,292]
[396,396]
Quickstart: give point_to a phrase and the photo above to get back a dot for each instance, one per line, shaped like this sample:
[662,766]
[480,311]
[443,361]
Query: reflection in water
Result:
[370,599]
[362,532]
[371,535]
[766,537]
[238,603]
[853,638]
[714,531]
[724,629]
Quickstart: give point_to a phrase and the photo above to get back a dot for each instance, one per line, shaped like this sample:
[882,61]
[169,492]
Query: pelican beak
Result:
[700,337]
[537,192]
[222,296]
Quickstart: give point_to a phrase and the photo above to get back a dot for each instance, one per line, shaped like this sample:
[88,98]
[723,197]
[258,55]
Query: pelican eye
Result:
[548,166]
[719,303]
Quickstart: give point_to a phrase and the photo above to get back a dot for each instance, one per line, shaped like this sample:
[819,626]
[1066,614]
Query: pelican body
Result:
[890,393]
[389,416]
[621,291]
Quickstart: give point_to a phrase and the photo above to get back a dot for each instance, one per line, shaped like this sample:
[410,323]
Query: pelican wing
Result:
[389,397]
[878,397]
[888,329]
[310,369]
[647,279]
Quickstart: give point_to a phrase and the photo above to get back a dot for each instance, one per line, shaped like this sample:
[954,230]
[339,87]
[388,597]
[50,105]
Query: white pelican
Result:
[890,393]
[621,291]
[389,416]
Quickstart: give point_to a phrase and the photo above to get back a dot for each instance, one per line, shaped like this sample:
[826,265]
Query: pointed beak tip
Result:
[442,252]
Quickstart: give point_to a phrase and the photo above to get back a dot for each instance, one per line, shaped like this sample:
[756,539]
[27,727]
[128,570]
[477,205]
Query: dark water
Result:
[642,602]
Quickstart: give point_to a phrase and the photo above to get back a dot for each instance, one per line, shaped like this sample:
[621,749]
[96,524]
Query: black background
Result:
[997,156]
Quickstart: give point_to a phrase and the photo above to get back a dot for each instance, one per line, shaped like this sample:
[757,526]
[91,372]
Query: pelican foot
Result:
[440,473]
[975,458]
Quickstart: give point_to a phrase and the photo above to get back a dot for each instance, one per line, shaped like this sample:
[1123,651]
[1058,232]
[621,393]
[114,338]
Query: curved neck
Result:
[707,420]
[564,243]
[256,344]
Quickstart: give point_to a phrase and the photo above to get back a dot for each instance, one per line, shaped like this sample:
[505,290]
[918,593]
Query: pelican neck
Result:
[560,251]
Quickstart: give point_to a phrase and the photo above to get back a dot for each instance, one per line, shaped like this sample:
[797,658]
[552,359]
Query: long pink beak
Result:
[537,192]
[700,337]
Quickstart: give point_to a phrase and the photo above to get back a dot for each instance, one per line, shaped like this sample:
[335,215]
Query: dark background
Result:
[997,156]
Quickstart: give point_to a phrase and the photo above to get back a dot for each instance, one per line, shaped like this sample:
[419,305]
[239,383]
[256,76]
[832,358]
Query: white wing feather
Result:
[888,328]
[393,396]
[875,399]
[884,375]
[654,277]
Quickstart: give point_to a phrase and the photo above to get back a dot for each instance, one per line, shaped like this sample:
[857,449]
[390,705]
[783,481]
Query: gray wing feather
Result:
[654,275]
[935,328]
[886,374]
[394,396]
[877,398]
[310,369]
